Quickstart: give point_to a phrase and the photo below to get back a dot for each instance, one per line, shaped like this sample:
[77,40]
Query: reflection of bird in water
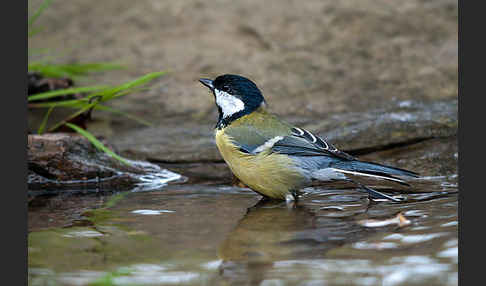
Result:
[264,226]
[270,232]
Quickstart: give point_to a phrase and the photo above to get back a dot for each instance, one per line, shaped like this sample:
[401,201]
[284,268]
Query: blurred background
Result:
[309,58]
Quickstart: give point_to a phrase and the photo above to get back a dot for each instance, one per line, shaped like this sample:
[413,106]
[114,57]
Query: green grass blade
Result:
[48,70]
[119,112]
[61,92]
[74,115]
[96,142]
[84,104]
[109,94]
[71,103]
[37,13]
[82,69]
[81,102]
[34,31]
[44,121]
[71,70]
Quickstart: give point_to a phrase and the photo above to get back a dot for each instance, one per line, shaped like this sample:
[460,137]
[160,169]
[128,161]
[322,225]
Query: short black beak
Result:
[207,82]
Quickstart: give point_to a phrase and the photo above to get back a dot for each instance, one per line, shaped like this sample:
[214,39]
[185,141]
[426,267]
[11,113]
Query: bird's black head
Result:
[235,97]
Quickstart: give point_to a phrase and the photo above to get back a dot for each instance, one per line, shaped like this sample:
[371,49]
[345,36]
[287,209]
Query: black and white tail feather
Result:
[335,163]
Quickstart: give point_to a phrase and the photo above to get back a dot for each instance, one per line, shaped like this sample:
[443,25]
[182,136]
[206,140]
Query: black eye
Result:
[226,88]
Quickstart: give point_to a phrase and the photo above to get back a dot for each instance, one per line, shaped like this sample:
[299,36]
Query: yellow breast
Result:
[269,174]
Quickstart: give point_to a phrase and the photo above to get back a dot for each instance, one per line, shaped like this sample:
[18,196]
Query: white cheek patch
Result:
[229,104]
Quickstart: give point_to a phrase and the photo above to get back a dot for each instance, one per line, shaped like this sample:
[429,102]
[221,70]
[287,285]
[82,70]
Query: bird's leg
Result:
[373,194]
[291,199]
[370,203]
[296,194]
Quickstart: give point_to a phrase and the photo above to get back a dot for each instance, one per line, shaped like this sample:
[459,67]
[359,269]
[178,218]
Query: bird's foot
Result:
[291,200]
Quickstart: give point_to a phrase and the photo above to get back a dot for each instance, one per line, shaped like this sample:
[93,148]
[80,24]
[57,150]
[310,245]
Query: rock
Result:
[182,143]
[403,123]
[199,173]
[64,159]
[434,157]
[359,133]
[37,84]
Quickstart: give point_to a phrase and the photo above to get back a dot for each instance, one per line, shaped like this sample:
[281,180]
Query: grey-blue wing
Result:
[314,153]
[323,161]
[304,143]
[297,142]
[250,139]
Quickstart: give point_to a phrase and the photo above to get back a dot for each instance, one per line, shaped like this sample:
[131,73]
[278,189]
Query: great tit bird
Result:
[274,158]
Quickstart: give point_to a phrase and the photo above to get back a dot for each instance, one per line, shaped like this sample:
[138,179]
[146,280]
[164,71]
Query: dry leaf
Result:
[399,220]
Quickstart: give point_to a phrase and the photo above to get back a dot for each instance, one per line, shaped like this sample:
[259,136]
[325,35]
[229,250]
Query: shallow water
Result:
[219,235]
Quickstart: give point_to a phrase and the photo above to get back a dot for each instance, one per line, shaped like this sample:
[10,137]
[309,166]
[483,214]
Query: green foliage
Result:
[96,142]
[44,121]
[119,112]
[72,71]
[62,92]
[32,31]
[94,95]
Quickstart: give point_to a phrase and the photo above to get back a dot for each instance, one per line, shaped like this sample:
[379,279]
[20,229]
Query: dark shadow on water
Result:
[275,231]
